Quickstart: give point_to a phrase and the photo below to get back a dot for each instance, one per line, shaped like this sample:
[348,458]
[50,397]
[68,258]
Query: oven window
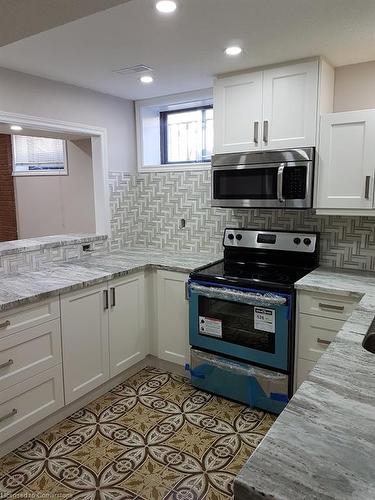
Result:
[250,183]
[233,322]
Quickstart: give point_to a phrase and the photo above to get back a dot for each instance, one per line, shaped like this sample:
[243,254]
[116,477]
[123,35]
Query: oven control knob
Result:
[297,241]
[307,241]
[239,237]
[231,236]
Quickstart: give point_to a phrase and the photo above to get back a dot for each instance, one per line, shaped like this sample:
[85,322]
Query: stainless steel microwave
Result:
[264,179]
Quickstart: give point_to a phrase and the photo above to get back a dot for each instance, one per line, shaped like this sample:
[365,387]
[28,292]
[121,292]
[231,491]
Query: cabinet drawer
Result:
[304,367]
[29,352]
[24,404]
[27,316]
[326,305]
[315,334]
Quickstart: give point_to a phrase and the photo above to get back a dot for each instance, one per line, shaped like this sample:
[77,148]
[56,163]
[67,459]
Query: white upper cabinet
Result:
[276,108]
[290,106]
[238,113]
[346,162]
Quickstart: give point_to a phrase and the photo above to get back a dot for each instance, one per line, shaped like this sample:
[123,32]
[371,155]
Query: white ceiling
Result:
[186,49]
[22,18]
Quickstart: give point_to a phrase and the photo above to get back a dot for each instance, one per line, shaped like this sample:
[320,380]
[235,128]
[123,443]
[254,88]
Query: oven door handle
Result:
[280,179]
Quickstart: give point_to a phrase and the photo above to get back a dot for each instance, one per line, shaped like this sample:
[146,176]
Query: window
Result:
[186,135]
[38,156]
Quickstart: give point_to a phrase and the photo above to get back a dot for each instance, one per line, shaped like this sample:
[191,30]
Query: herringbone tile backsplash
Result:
[147,208]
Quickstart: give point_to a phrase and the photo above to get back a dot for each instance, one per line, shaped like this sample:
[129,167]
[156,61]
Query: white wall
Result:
[355,87]
[58,204]
[30,95]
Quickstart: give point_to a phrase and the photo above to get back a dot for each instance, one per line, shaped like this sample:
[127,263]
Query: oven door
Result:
[274,185]
[250,332]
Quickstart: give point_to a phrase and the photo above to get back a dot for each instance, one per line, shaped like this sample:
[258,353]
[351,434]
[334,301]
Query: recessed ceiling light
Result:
[16,127]
[166,6]
[233,50]
[146,79]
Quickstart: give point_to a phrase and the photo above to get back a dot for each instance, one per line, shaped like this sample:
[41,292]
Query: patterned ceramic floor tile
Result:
[153,437]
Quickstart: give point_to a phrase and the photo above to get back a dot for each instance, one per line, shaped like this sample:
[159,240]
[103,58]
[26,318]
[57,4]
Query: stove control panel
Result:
[271,240]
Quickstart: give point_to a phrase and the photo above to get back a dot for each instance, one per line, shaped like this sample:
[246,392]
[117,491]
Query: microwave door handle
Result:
[280,177]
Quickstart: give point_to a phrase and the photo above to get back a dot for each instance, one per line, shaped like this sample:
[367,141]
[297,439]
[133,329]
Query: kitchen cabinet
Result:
[238,112]
[172,310]
[127,335]
[103,333]
[275,108]
[320,317]
[84,322]
[346,163]
[31,383]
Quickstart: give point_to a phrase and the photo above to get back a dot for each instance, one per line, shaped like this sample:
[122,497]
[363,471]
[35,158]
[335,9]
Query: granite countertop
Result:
[29,244]
[62,277]
[322,446]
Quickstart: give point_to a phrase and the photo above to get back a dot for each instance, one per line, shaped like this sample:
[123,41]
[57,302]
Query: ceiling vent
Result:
[133,70]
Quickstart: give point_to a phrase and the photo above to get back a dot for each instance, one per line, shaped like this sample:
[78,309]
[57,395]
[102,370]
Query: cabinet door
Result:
[290,96]
[84,320]
[346,160]
[172,314]
[238,113]
[127,335]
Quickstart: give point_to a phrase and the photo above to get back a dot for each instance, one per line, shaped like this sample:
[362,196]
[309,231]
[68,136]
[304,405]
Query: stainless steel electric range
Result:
[241,316]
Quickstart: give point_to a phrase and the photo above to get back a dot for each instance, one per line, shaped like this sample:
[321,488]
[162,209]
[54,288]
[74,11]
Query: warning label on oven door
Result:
[210,326]
[264,319]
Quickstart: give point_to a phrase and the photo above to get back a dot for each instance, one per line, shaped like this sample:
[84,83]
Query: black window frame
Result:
[164,134]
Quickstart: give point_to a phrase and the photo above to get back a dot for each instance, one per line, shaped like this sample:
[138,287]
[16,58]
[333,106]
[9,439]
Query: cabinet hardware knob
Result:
[367,186]
[256,132]
[323,341]
[105,296]
[331,307]
[7,363]
[265,131]
[5,324]
[8,415]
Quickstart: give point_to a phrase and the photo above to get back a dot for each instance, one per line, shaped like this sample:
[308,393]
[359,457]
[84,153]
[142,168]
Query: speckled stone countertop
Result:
[322,446]
[18,246]
[62,277]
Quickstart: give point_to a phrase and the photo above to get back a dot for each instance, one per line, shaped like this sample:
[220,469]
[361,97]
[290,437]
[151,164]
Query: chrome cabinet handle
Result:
[256,132]
[7,363]
[323,341]
[113,296]
[280,176]
[8,415]
[367,186]
[5,324]
[105,296]
[265,131]
[331,307]
[186,290]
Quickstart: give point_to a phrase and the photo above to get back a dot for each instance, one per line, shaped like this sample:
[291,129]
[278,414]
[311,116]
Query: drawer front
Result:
[304,367]
[326,305]
[315,334]
[29,352]
[25,404]
[24,317]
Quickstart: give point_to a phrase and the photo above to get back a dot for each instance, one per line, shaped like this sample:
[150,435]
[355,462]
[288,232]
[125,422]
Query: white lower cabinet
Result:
[320,316]
[84,322]
[127,334]
[172,317]
[103,333]
[24,404]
